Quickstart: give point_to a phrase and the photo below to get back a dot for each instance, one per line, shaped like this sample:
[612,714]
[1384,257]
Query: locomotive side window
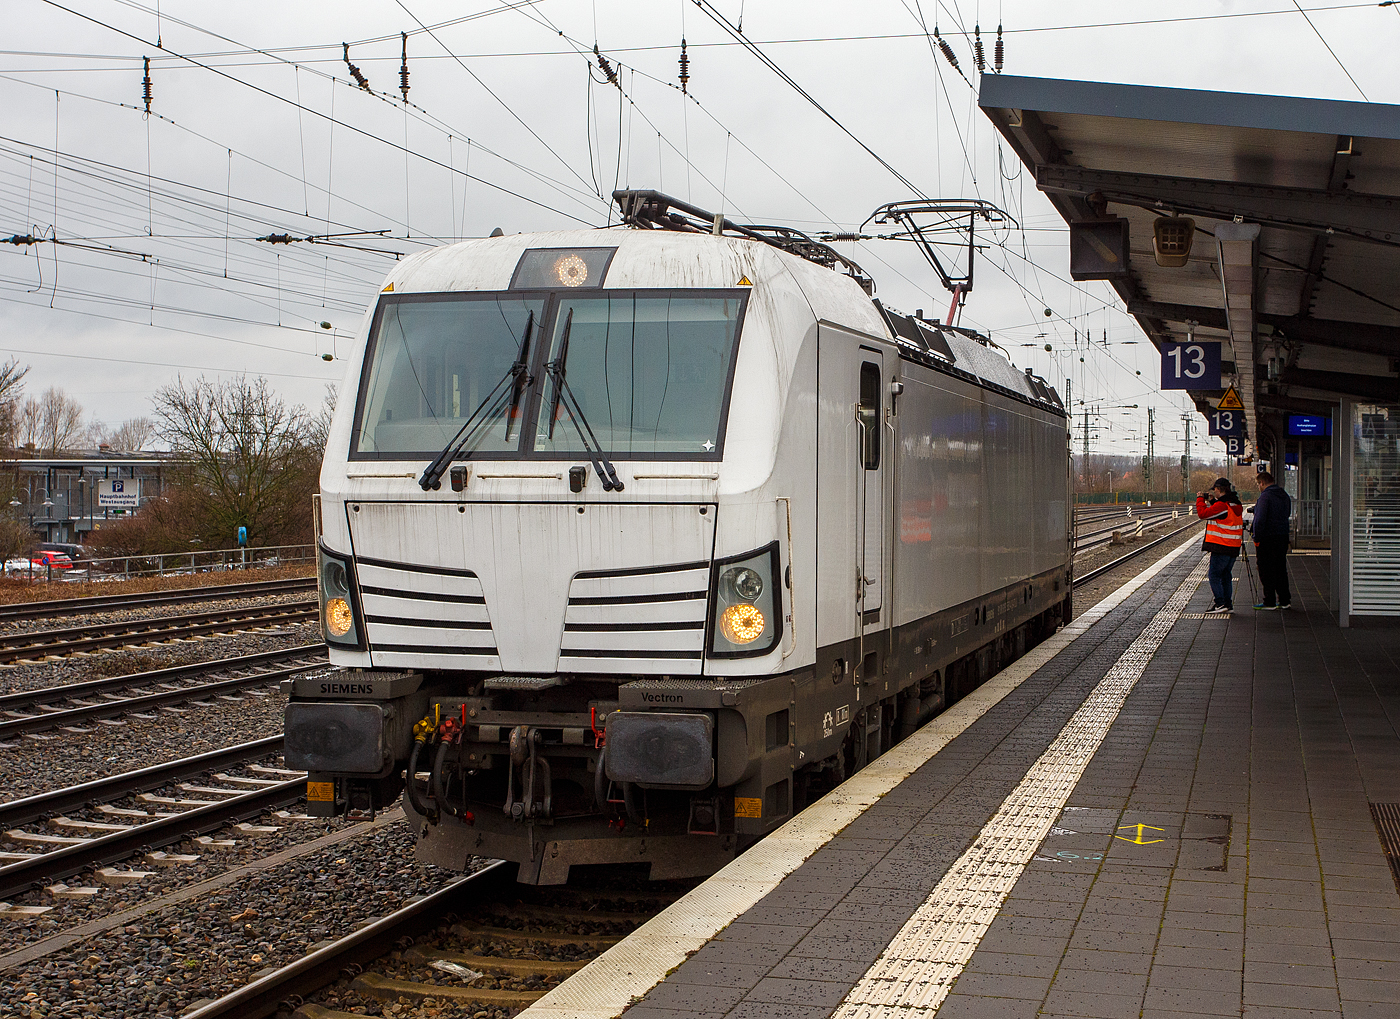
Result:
[869,415]
[432,364]
[651,373]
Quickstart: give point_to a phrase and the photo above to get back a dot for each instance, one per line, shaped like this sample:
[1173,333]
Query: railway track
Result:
[1103,536]
[482,940]
[39,644]
[102,603]
[1094,574]
[47,844]
[69,706]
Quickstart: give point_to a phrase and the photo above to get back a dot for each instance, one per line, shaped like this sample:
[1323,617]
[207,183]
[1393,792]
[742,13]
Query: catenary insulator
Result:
[947,50]
[606,67]
[1000,51]
[403,68]
[360,79]
[146,84]
[978,53]
[685,68]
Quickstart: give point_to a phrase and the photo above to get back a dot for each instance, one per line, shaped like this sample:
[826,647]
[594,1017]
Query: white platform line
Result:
[640,961]
[917,970]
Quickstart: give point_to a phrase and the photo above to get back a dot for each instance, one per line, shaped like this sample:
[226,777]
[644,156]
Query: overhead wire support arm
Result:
[923,221]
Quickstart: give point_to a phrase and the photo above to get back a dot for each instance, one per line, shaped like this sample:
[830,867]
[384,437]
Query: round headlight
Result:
[571,271]
[339,618]
[744,582]
[742,624]
[334,575]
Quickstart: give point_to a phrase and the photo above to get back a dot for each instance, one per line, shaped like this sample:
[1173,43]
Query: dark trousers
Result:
[1271,556]
[1221,581]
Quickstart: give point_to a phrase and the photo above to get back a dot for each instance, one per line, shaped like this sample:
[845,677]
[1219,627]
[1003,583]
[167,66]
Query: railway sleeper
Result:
[495,964]
[391,989]
[470,929]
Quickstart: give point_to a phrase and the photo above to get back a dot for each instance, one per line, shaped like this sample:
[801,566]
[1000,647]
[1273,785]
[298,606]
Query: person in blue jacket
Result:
[1271,516]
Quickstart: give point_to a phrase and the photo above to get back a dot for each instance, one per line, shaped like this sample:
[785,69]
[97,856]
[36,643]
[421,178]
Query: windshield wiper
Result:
[562,393]
[518,378]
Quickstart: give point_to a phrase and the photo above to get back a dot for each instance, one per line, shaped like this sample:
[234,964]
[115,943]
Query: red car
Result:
[54,560]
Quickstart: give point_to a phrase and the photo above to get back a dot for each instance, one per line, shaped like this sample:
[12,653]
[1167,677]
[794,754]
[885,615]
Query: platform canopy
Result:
[1315,288]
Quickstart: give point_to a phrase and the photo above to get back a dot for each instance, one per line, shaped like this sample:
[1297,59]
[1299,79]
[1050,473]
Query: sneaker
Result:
[1266,608]
[1218,610]
[1284,607]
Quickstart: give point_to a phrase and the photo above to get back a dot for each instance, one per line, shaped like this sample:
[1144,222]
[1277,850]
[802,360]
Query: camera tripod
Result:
[1249,572]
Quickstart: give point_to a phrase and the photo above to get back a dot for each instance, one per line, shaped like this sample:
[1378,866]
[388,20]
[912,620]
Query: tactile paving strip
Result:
[917,970]
[1387,818]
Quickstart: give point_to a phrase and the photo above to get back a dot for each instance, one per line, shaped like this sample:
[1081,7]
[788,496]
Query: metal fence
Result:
[171,563]
[1311,518]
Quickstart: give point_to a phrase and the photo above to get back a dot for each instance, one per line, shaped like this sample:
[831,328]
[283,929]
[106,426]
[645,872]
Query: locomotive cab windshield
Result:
[649,373]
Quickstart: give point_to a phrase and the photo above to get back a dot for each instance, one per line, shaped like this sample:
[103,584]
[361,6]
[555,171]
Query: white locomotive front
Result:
[633,541]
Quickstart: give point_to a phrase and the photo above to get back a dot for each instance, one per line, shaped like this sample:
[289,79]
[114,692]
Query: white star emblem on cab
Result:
[707,445]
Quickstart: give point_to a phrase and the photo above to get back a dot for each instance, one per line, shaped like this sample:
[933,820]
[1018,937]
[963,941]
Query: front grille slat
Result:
[435,615]
[622,619]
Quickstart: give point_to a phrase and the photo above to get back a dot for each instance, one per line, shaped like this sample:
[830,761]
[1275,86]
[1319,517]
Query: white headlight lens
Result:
[744,582]
[571,271]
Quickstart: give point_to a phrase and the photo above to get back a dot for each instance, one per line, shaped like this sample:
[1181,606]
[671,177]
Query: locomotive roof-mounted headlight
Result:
[568,268]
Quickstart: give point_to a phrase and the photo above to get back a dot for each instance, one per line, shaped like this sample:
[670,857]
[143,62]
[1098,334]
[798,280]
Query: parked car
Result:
[77,553]
[49,559]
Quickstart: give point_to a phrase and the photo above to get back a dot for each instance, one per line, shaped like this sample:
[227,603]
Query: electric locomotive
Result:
[634,541]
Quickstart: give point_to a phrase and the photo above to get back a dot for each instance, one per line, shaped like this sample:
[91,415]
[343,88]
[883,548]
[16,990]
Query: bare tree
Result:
[30,417]
[60,422]
[242,447]
[16,539]
[133,435]
[11,389]
[95,434]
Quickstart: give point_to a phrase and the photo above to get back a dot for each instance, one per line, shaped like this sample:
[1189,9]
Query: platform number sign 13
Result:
[1226,421]
[1191,365]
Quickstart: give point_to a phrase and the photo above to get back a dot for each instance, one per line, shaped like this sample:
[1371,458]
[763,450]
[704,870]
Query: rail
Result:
[162,830]
[57,607]
[169,563]
[325,966]
[41,643]
[1094,574]
[49,716]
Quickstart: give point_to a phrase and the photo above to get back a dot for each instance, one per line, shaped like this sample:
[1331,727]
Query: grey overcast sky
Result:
[256,128]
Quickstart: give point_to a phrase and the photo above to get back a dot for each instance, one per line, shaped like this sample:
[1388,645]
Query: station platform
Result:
[1156,813]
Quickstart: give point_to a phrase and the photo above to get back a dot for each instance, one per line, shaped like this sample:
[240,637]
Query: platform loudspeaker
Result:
[1171,240]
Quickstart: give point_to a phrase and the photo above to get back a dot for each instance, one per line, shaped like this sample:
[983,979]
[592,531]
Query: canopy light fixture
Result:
[1171,240]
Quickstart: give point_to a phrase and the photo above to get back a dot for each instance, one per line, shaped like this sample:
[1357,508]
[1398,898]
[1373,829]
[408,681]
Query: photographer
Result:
[1224,516]
[1271,515]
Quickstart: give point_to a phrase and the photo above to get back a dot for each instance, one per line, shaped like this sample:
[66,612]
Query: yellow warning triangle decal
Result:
[388,290]
[744,281]
[1230,401]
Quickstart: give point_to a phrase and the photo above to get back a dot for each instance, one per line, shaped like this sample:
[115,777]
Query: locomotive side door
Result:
[870,549]
[854,461]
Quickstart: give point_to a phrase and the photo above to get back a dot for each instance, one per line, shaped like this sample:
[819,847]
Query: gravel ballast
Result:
[208,946]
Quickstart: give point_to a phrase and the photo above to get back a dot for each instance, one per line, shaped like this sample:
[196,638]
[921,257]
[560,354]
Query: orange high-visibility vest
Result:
[1229,529]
